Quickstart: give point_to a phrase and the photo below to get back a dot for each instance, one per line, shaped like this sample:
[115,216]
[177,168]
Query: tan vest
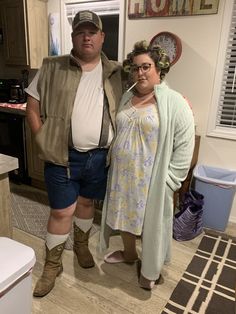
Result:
[57,86]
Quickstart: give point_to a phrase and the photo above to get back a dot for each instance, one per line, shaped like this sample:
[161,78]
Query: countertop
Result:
[7,163]
[13,108]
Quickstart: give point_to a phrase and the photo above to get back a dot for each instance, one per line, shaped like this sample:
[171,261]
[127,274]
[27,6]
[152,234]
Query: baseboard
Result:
[232,219]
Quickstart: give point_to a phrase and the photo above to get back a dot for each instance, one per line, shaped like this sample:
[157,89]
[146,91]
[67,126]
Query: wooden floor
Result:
[106,288]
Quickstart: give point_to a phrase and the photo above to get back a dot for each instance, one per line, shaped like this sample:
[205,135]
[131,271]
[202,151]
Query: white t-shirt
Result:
[87,112]
[32,88]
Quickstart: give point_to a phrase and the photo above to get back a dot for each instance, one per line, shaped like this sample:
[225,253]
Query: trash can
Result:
[16,264]
[218,187]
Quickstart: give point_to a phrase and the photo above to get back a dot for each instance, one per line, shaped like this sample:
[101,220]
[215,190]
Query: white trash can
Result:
[16,264]
[218,187]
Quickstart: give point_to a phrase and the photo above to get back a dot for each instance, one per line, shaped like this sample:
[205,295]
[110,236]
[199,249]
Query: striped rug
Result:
[208,284]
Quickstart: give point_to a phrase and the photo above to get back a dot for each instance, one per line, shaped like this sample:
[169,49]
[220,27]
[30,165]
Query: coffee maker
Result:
[17,94]
[12,90]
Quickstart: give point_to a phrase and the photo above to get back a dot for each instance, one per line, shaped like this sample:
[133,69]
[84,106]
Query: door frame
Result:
[121,36]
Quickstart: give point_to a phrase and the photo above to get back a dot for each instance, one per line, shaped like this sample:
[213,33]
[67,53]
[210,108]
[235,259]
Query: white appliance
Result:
[16,264]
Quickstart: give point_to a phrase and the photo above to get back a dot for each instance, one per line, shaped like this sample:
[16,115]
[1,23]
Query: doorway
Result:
[111,13]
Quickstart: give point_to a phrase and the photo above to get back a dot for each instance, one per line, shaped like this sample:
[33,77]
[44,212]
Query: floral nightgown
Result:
[133,155]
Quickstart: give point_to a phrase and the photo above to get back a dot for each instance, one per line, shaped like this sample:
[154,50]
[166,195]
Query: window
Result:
[223,122]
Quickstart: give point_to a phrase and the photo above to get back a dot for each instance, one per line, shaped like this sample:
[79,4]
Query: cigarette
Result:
[132,86]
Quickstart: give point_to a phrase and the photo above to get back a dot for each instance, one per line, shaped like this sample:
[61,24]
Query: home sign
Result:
[165,8]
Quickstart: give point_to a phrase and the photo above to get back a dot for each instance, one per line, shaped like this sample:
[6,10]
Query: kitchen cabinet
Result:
[25,31]
[7,163]
[12,140]
[18,141]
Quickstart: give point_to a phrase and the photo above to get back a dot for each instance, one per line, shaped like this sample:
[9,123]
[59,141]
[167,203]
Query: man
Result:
[71,109]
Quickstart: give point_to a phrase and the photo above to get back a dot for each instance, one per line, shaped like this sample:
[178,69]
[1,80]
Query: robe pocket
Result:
[169,202]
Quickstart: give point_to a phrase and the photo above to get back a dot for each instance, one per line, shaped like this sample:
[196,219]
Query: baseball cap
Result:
[86,17]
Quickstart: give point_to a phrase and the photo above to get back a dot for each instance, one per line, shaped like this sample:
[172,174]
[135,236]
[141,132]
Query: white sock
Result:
[83,224]
[53,240]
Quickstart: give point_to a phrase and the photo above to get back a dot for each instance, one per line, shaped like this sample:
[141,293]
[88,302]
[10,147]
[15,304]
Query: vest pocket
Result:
[52,141]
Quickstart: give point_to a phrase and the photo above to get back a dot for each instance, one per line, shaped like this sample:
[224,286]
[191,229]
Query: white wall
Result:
[192,75]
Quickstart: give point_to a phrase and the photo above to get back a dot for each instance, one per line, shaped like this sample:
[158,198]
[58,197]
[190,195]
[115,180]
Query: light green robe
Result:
[171,165]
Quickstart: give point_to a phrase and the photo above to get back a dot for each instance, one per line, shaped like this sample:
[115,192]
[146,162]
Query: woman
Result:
[150,157]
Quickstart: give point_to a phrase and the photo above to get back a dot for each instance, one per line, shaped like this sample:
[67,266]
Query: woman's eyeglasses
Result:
[145,67]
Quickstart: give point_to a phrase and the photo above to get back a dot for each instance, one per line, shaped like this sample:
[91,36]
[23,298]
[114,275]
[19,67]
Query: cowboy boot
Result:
[85,258]
[52,268]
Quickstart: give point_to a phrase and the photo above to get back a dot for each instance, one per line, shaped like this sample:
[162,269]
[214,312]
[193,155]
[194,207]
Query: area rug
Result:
[208,284]
[31,211]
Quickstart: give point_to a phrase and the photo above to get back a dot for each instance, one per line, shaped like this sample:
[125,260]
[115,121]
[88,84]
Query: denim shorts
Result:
[86,176]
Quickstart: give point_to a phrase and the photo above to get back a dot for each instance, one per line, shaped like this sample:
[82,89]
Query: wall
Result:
[192,75]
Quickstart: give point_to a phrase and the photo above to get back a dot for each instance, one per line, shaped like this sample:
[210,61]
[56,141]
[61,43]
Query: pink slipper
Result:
[117,257]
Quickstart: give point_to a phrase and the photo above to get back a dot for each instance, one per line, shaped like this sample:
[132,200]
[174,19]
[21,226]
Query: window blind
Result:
[226,112]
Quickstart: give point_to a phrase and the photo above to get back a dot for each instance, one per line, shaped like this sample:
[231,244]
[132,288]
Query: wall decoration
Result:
[164,8]
[171,43]
[54,34]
